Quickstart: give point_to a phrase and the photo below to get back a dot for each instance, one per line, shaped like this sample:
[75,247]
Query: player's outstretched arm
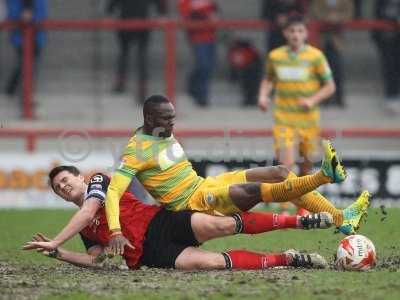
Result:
[93,258]
[80,220]
[80,259]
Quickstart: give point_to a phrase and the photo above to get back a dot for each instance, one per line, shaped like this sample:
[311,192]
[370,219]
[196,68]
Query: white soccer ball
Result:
[355,253]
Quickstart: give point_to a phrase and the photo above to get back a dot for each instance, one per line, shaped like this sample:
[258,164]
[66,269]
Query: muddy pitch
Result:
[34,282]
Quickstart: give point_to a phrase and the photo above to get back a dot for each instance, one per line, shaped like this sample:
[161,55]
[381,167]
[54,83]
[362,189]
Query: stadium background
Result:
[76,119]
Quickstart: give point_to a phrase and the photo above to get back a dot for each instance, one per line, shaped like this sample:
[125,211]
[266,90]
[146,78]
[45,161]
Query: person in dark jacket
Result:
[138,9]
[388,44]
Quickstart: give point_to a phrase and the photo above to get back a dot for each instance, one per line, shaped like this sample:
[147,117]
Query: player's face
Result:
[69,187]
[296,35]
[164,120]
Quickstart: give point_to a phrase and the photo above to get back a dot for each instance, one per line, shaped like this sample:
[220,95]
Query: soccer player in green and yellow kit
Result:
[301,78]
[158,161]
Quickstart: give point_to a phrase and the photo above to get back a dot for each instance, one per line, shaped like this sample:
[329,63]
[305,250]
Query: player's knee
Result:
[250,189]
[245,196]
[203,261]
[213,261]
[281,172]
[223,225]
[218,226]
[206,227]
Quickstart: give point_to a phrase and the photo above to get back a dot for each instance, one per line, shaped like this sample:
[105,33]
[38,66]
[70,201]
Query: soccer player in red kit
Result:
[161,238]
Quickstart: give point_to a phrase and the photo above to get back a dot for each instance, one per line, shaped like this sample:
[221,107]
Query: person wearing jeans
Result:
[203,46]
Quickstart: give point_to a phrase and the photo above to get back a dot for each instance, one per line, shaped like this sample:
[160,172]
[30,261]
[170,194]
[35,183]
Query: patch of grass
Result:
[28,275]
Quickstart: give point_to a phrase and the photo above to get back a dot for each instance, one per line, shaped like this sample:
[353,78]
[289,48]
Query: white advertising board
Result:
[23,177]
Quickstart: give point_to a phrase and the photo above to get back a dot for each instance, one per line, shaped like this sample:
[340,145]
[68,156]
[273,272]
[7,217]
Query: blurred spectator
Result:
[388,44]
[358,8]
[133,9]
[203,46]
[277,12]
[246,67]
[2,11]
[2,18]
[333,13]
[24,11]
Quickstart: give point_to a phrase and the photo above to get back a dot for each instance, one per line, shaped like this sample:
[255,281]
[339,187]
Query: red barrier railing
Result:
[169,26]
[27,72]
[32,135]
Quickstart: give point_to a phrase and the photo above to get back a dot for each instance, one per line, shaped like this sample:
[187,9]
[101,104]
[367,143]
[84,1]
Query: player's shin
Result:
[258,222]
[315,202]
[292,188]
[248,260]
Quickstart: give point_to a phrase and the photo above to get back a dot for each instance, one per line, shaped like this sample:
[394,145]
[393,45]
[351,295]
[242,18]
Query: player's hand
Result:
[42,238]
[263,103]
[35,238]
[49,246]
[118,243]
[40,243]
[306,103]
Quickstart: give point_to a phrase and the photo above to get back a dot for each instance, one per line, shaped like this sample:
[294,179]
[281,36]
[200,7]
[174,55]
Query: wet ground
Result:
[28,275]
[62,281]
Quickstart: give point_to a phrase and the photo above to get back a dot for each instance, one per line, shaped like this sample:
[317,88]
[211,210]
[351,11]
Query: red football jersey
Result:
[135,217]
[200,10]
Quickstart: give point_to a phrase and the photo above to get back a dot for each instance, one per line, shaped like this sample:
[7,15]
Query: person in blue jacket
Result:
[24,11]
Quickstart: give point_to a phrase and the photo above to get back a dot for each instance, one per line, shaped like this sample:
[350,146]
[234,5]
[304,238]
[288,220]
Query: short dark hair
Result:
[153,101]
[57,170]
[295,18]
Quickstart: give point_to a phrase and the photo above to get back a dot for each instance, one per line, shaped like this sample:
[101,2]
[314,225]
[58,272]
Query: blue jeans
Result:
[199,77]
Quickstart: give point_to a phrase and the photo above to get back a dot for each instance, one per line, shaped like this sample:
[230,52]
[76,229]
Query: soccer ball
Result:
[356,253]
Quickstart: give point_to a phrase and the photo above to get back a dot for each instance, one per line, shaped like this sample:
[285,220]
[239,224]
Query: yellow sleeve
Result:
[118,185]
[120,181]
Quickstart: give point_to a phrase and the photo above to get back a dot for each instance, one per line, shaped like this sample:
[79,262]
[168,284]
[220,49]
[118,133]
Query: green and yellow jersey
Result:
[161,165]
[296,75]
